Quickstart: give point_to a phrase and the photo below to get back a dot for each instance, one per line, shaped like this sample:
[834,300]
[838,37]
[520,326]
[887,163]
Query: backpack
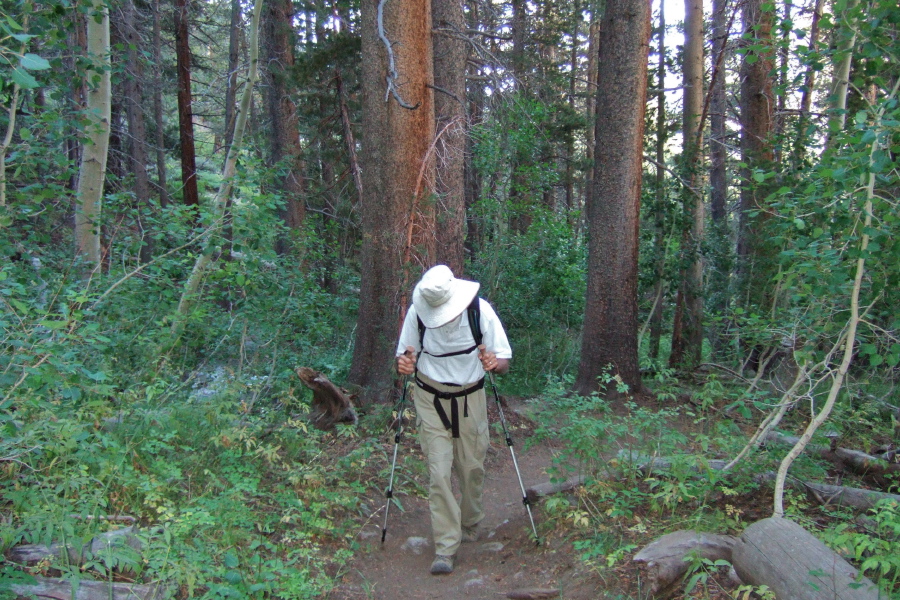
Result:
[473,312]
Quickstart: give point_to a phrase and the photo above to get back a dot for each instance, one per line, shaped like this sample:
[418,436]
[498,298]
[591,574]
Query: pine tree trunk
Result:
[659,232]
[285,153]
[190,192]
[136,127]
[590,112]
[718,181]
[397,167]
[161,180]
[757,117]
[473,179]
[450,126]
[719,272]
[610,319]
[688,343]
[234,41]
[92,172]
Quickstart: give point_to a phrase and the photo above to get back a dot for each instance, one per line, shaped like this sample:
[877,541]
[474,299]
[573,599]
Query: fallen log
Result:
[62,589]
[77,555]
[795,565]
[873,468]
[837,495]
[548,488]
[330,404]
[823,493]
[663,560]
[648,464]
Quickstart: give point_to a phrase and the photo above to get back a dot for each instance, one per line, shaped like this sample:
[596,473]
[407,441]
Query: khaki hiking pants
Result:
[464,456]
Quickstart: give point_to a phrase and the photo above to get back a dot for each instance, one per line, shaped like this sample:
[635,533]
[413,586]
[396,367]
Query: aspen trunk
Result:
[92,173]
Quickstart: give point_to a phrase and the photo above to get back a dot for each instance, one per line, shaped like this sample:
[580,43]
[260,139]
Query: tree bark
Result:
[136,127]
[757,118]
[161,180]
[397,168]
[190,192]
[92,172]
[664,559]
[234,42]
[610,319]
[846,33]
[61,589]
[809,84]
[718,180]
[285,153]
[794,564]
[687,340]
[659,214]
[591,110]
[450,124]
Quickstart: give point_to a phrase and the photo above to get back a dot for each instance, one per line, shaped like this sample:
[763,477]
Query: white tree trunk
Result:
[92,172]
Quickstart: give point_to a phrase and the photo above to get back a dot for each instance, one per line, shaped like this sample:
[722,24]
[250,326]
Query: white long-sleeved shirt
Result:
[463,369]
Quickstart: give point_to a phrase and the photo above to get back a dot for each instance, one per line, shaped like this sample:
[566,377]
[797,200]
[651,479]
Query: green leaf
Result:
[33,62]
[799,223]
[24,80]
[231,561]
[12,24]
[759,177]
[54,324]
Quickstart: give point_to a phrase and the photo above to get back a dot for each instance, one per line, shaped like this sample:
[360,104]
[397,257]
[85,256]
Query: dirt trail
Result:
[503,560]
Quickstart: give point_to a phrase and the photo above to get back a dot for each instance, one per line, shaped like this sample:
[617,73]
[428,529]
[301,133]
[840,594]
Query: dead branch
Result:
[392,75]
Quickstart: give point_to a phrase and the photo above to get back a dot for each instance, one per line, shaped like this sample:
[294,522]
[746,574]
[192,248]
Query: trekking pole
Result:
[512,452]
[390,491]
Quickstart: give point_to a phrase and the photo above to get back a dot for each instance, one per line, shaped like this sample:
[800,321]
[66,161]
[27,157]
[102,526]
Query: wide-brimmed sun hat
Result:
[440,297]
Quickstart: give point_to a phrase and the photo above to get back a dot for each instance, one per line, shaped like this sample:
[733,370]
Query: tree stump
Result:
[795,565]
[330,404]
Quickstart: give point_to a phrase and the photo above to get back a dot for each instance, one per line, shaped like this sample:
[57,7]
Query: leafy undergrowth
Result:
[623,506]
[240,503]
[227,504]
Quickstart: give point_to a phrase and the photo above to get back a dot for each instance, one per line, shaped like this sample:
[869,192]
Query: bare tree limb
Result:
[392,76]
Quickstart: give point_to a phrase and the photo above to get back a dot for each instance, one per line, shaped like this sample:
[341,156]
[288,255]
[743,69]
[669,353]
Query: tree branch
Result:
[392,69]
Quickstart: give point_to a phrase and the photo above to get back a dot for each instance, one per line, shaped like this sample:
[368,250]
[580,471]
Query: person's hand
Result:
[406,362]
[490,362]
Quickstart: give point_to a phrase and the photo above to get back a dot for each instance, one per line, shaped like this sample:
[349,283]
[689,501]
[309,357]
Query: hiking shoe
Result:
[470,533]
[442,565]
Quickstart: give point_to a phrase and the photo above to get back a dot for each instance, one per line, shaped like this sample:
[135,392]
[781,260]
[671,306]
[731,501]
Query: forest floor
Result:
[505,562]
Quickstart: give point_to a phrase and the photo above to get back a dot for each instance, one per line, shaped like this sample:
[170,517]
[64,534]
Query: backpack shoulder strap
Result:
[474,314]
[421,335]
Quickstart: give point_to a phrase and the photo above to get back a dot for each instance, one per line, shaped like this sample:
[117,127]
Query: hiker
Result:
[439,346]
